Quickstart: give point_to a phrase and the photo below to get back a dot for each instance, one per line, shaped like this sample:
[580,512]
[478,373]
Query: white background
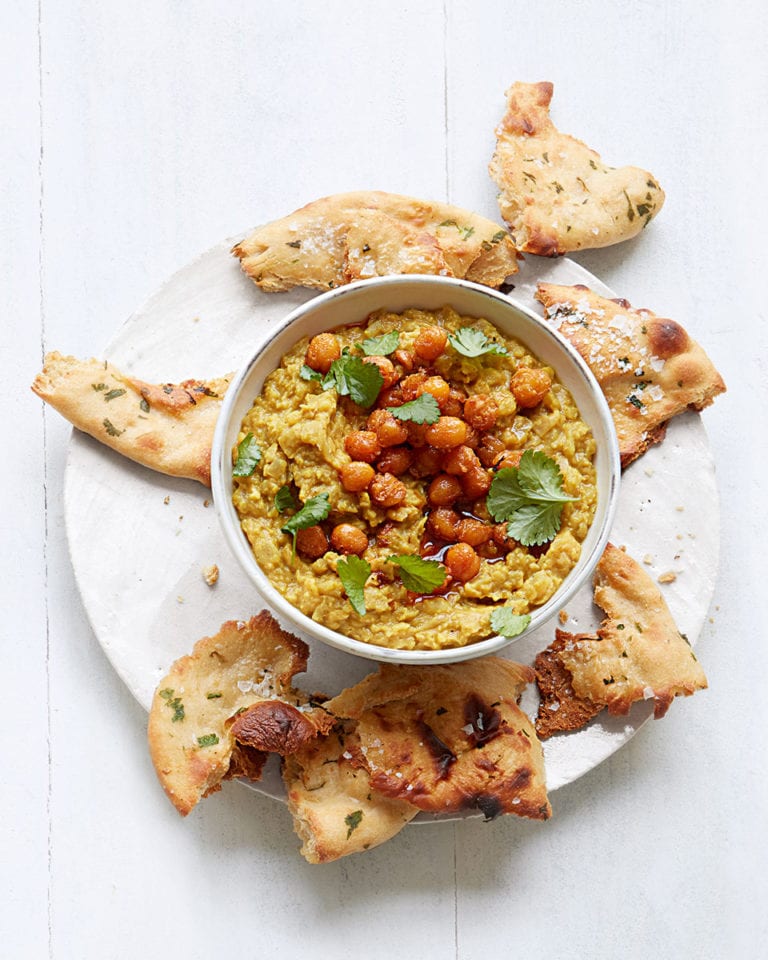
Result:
[136,135]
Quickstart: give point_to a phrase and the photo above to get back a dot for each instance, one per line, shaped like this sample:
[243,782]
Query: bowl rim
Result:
[221,483]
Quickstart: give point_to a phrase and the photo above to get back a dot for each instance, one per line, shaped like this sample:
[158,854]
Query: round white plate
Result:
[139,541]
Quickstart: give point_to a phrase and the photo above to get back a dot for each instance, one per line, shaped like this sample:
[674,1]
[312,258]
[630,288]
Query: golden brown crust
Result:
[556,193]
[449,738]
[278,727]
[167,427]
[560,710]
[190,734]
[637,654]
[649,368]
[351,236]
[335,812]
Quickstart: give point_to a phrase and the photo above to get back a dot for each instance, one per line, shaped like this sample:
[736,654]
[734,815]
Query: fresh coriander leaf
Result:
[381,346]
[307,373]
[353,573]
[509,624]
[314,510]
[352,821]
[361,381]
[419,575]
[248,455]
[285,500]
[530,497]
[208,740]
[471,342]
[423,409]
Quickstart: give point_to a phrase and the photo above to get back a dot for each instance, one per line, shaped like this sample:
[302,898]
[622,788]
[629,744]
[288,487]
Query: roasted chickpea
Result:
[461,460]
[387,491]
[356,476]
[395,460]
[430,343]
[443,523]
[444,490]
[437,387]
[405,358]
[417,434]
[346,538]
[386,369]
[462,562]
[510,459]
[409,386]
[500,537]
[362,445]
[490,450]
[529,386]
[474,532]
[447,433]
[388,429]
[453,405]
[390,397]
[426,462]
[473,438]
[475,483]
[322,351]
[312,542]
[481,412]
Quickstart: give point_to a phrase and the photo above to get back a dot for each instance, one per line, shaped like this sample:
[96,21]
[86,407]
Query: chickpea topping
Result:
[447,433]
[511,459]
[386,369]
[405,358]
[312,542]
[387,491]
[388,429]
[346,538]
[461,460]
[443,523]
[356,476]
[489,450]
[474,532]
[426,462]
[437,387]
[475,483]
[444,490]
[462,562]
[322,351]
[453,406]
[430,343]
[481,412]
[362,445]
[409,386]
[395,460]
[529,386]
[417,434]
[390,397]
[501,538]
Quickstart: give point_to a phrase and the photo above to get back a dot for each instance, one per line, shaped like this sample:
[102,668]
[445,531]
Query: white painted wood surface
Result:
[135,136]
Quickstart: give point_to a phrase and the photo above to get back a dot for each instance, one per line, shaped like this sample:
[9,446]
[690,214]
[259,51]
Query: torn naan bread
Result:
[353,236]
[637,653]
[195,707]
[648,367]
[167,427]
[335,810]
[557,195]
[448,738]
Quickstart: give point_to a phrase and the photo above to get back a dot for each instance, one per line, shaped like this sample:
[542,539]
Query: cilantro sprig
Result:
[248,455]
[353,573]
[471,342]
[423,409]
[314,510]
[507,623]
[530,498]
[285,499]
[417,574]
[349,376]
[381,346]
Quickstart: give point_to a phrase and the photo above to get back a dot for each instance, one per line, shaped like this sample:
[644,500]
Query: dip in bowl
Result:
[415,469]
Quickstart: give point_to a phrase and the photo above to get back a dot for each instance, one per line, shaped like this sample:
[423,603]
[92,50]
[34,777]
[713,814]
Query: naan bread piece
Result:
[335,811]
[560,710]
[191,737]
[167,427]
[449,738]
[351,236]
[557,194]
[637,654]
[647,366]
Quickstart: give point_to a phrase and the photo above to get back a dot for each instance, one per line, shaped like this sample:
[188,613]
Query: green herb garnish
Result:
[144,404]
[381,346]
[353,377]
[111,429]
[471,342]
[209,740]
[507,623]
[353,573]
[314,510]
[530,497]
[352,821]
[285,500]
[114,394]
[417,574]
[423,409]
[248,455]
[213,696]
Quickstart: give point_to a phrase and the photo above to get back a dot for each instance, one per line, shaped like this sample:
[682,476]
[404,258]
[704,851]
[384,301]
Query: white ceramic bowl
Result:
[351,304]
